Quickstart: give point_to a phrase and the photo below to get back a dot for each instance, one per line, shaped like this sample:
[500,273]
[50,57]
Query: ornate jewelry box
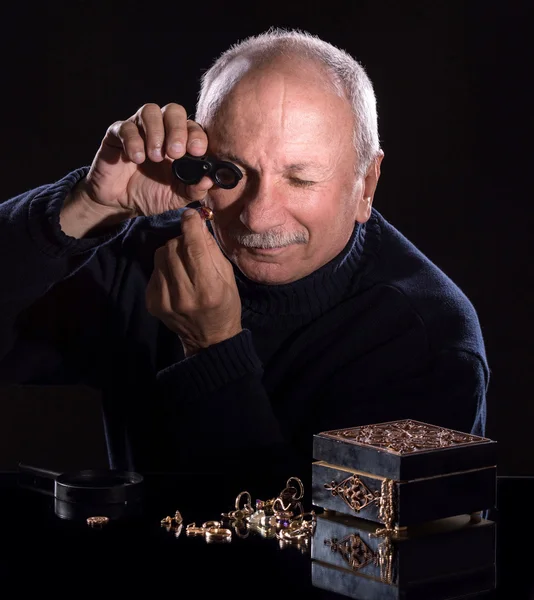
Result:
[446,558]
[401,473]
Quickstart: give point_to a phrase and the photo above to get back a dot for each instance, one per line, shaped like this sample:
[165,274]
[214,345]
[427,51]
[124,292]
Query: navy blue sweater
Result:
[377,334]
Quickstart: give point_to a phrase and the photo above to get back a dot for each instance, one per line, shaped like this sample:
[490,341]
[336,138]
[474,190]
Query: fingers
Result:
[124,136]
[197,192]
[189,271]
[199,251]
[194,250]
[197,140]
[155,132]
[149,121]
[175,125]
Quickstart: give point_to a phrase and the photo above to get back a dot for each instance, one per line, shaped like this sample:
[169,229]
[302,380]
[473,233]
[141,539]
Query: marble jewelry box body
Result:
[442,559]
[401,473]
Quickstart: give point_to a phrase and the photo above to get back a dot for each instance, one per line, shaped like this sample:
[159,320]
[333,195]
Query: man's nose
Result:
[263,207]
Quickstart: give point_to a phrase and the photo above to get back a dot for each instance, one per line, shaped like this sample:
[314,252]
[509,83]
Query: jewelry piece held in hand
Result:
[205,212]
[97,521]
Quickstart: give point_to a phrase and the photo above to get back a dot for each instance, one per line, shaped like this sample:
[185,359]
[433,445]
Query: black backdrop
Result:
[452,81]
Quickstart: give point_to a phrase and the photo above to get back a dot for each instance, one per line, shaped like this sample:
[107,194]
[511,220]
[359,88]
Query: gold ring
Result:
[283,507]
[97,521]
[292,534]
[192,529]
[248,504]
[211,524]
[205,212]
[301,487]
[242,532]
[218,533]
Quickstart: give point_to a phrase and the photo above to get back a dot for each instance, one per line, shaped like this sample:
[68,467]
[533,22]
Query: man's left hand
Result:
[192,288]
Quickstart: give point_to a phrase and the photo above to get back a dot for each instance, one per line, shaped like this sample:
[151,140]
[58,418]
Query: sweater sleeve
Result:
[35,254]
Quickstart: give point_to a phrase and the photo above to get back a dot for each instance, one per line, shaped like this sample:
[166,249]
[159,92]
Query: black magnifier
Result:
[190,170]
[88,492]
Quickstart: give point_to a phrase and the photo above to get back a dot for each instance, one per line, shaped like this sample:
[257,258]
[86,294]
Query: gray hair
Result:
[347,76]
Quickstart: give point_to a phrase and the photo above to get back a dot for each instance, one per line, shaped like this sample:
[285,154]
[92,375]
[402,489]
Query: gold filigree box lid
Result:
[404,449]
[400,473]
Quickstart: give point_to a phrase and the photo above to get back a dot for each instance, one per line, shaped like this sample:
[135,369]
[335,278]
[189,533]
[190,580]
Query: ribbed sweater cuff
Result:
[44,226]
[214,367]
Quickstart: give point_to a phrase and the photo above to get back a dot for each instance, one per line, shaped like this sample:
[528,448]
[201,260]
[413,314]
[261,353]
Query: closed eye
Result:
[301,182]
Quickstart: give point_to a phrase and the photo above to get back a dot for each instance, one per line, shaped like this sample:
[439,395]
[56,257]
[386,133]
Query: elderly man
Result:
[230,342]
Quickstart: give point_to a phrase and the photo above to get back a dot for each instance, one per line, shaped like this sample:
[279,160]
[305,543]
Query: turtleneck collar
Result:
[306,298]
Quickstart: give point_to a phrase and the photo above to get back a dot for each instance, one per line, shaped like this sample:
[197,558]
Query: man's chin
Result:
[267,272]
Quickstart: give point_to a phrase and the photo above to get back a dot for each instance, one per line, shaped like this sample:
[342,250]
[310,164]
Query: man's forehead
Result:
[295,131]
[281,87]
[225,153]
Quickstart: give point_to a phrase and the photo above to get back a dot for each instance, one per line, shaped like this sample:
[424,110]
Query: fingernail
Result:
[157,152]
[188,213]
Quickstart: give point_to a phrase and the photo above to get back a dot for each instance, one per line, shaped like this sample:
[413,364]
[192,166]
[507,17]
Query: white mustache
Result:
[270,239]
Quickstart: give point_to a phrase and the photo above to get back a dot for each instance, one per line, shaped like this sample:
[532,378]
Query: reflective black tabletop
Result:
[44,548]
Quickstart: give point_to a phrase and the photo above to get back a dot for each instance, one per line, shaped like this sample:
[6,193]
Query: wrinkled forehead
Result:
[284,102]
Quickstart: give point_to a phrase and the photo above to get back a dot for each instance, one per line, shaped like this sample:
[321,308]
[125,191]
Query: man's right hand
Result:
[131,174]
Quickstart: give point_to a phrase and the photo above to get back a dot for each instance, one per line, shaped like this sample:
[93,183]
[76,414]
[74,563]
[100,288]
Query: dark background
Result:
[453,86]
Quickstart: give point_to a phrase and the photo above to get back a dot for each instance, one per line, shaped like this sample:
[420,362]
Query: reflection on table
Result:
[443,559]
[340,556]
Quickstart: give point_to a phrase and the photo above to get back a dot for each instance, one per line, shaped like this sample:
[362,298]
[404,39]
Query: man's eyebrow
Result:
[233,158]
[300,166]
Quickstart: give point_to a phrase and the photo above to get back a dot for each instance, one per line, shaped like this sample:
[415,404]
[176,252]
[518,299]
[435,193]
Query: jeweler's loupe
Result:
[190,170]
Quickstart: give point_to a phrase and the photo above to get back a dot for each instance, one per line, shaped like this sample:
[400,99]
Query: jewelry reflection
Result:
[97,521]
[357,554]
[218,534]
[303,527]
[173,524]
[302,545]
[241,529]
[451,555]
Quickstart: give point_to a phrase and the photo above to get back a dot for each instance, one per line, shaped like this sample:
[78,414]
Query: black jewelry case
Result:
[446,558]
[401,473]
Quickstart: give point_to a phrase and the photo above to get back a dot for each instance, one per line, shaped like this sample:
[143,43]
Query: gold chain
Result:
[386,512]
[385,560]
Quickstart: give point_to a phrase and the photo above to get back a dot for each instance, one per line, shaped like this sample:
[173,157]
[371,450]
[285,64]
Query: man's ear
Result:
[372,176]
